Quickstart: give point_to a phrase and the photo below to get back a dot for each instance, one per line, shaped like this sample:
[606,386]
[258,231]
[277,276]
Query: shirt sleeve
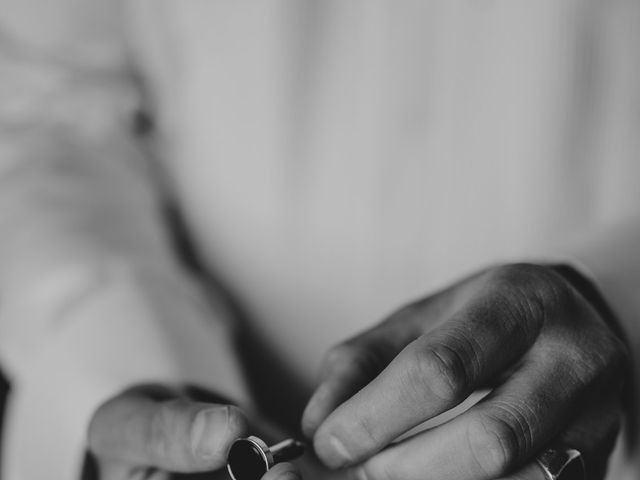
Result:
[91,298]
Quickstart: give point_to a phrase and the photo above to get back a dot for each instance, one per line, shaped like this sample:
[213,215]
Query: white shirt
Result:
[333,159]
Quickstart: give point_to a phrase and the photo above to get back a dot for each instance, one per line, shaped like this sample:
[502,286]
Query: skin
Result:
[146,432]
[157,433]
[554,366]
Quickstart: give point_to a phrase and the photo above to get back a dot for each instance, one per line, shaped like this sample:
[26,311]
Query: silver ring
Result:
[562,464]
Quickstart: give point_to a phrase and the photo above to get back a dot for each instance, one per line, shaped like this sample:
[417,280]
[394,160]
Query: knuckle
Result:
[614,353]
[494,443]
[603,357]
[440,370]
[154,439]
[533,290]
[157,436]
[366,429]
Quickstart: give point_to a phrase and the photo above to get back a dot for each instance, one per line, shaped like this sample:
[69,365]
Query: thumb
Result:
[174,435]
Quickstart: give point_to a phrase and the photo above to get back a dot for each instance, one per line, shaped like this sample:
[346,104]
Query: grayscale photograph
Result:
[319,240]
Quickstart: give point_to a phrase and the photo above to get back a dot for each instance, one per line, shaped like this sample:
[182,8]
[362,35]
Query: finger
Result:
[593,434]
[350,366]
[353,364]
[283,471]
[501,433]
[431,375]
[174,435]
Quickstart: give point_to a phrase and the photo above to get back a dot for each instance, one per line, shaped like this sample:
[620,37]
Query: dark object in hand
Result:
[250,458]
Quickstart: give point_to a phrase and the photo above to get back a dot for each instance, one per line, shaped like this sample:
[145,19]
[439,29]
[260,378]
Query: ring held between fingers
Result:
[173,435]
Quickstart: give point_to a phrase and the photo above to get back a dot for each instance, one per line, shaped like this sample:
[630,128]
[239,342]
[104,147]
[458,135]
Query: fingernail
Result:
[333,452]
[309,420]
[209,431]
[313,413]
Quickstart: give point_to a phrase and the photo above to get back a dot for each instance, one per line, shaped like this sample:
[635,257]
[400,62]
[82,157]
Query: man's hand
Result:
[147,432]
[555,367]
[155,433]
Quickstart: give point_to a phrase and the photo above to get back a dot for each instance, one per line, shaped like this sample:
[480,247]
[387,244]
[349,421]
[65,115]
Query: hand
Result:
[555,366]
[146,432]
[155,433]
